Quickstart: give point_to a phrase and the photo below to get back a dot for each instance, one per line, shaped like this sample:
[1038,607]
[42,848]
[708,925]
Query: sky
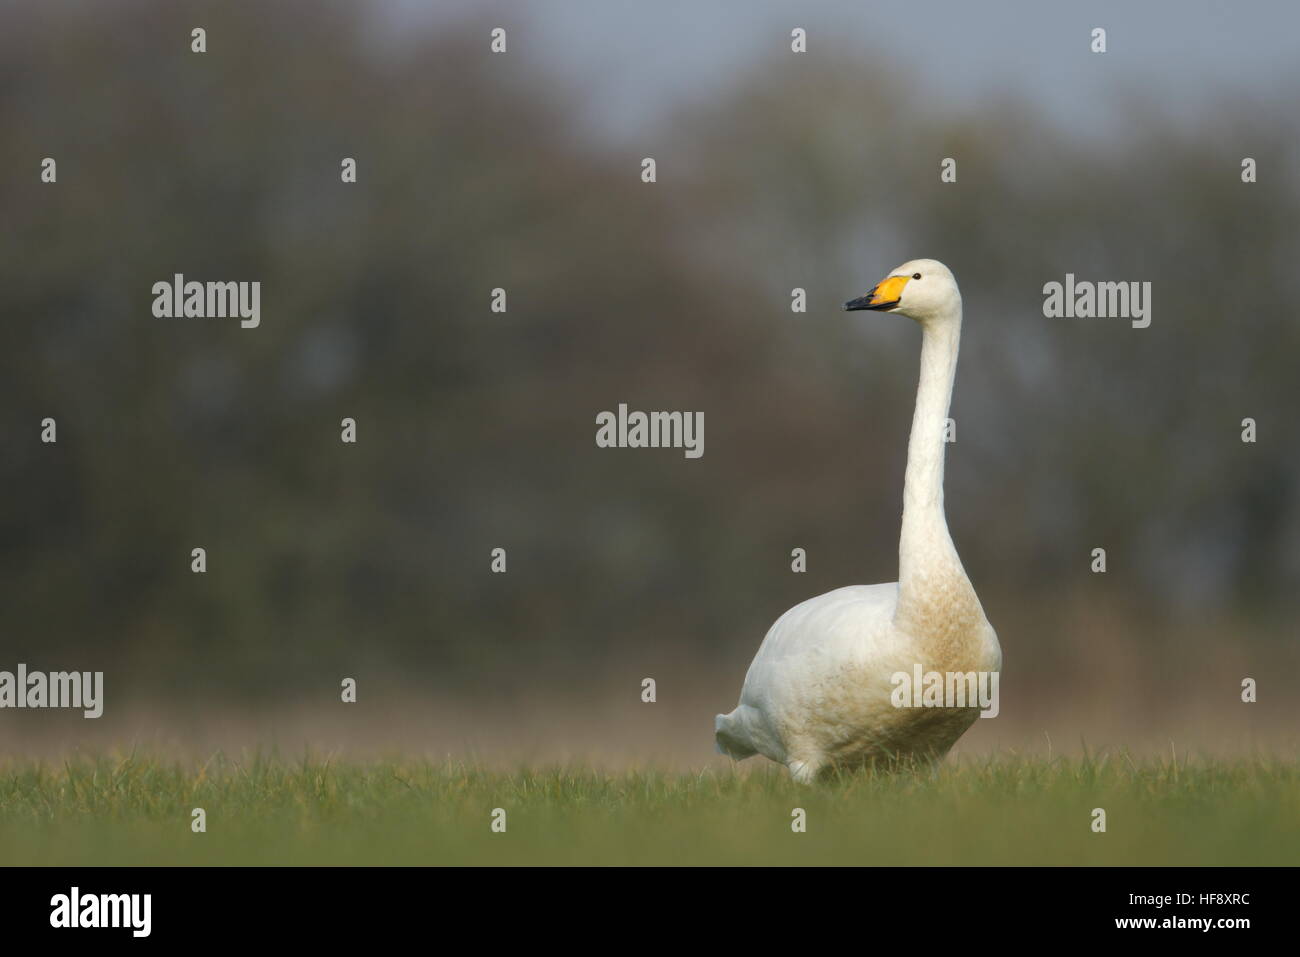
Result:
[639,60]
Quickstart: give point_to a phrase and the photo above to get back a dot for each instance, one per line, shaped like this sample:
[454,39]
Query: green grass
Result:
[1009,810]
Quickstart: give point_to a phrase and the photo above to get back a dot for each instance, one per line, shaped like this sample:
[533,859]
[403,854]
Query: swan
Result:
[818,693]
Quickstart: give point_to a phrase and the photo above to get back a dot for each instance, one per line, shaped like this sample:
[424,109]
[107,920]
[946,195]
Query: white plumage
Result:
[818,693]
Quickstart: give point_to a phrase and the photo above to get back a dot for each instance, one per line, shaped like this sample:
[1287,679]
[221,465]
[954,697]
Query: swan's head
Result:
[923,289]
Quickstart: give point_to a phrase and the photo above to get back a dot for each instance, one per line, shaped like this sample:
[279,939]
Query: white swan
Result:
[818,694]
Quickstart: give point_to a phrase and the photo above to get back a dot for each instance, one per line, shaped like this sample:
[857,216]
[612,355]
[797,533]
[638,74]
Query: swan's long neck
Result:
[934,596]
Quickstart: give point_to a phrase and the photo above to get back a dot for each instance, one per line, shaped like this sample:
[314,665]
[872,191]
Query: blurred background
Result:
[476,430]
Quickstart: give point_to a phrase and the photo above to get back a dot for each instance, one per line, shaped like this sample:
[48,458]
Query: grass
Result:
[1009,810]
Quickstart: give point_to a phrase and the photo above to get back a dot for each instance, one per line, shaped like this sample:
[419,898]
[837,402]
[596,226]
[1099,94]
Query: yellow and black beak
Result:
[886,295]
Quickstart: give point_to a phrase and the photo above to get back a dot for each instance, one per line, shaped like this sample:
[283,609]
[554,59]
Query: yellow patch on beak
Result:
[888,290]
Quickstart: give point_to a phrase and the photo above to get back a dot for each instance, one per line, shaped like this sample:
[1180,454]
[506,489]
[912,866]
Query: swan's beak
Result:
[886,295]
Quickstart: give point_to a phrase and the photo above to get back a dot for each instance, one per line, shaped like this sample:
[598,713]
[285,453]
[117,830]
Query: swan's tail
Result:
[729,733]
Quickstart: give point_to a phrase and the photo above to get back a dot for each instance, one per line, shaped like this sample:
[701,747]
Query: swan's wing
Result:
[840,625]
[811,639]
[839,615]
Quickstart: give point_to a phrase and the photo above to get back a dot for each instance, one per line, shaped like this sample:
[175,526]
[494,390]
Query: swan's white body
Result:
[818,693]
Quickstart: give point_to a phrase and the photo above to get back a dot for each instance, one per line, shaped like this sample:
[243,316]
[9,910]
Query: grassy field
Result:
[1008,810]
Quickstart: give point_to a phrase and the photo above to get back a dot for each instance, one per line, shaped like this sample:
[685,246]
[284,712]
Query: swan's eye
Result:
[916,275]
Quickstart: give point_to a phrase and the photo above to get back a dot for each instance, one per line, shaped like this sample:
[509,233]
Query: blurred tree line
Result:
[476,430]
